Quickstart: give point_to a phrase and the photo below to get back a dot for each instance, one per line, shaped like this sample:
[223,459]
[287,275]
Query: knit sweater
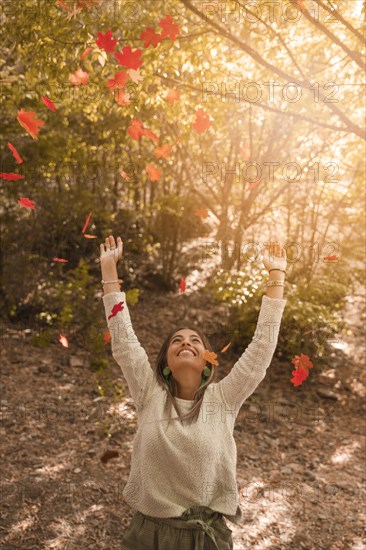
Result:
[182,465]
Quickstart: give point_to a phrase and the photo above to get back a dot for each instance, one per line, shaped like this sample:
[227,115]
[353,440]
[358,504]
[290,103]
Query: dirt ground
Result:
[301,451]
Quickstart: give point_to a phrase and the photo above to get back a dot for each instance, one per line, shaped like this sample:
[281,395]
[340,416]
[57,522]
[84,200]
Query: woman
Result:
[182,480]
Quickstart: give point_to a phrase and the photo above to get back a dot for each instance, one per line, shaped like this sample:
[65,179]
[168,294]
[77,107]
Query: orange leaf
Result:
[203,121]
[153,172]
[226,347]
[16,155]
[48,103]
[86,223]
[29,122]
[163,151]
[210,356]
[64,341]
[173,95]
[27,203]
[11,176]
[79,77]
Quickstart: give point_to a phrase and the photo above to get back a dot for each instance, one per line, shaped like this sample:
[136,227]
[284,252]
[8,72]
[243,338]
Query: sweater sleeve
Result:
[127,350]
[250,369]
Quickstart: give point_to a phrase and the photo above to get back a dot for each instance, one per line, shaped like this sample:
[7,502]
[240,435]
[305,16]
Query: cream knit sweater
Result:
[176,467]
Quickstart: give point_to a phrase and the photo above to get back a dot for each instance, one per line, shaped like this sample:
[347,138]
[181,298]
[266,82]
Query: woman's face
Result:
[184,356]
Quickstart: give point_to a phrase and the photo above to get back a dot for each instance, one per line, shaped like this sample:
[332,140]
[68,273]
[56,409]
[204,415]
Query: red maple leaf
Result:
[170,28]
[203,121]
[10,176]
[173,95]
[86,223]
[105,41]
[85,53]
[163,151]
[150,37]
[59,260]
[79,78]
[16,155]
[128,58]
[64,341]
[153,172]
[27,203]
[30,123]
[115,309]
[107,337]
[119,80]
[300,375]
[48,103]
[182,285]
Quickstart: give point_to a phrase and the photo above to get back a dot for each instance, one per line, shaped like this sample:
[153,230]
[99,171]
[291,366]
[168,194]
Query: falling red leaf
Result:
[299,375]
[253,184]
[30,123]
[245,152]
[86,223]
[182,285]
[115,309]
[163,151]
[59,260]
[10,176]
[122,98]
[16,155]
[48,103]
[210,356]
[128,58]
[108,455]
[226,348]
[203,121]
[150,37]
[170,28]
[119,80]
[173,95]
[79,78]
[87,236]
[201,212]
[27,203]
[107,337]
[85,53]
[303,361]
[153,172]
[330,258]
[64,341]
[106,42]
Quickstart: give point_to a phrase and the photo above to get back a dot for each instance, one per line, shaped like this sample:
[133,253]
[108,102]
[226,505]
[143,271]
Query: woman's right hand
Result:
[110,252]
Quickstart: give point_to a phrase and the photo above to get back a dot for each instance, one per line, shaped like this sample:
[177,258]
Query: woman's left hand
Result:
[274,257]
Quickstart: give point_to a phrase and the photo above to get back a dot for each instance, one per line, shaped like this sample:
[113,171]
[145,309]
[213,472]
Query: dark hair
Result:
[170,385]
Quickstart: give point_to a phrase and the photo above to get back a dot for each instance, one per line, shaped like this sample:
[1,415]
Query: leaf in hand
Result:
[115,309]
[202,122]
[16,155]
[30,123]
[106,42]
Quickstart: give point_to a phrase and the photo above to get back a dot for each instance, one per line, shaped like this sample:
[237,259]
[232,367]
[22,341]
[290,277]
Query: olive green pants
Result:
[198,528]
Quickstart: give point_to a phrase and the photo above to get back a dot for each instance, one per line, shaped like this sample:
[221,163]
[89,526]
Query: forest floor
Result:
[301,451]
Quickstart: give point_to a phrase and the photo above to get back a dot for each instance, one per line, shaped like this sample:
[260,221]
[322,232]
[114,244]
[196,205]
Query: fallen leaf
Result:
[86,222]
[27,203]
[10,176]
[173,95]
[108,455]
[30,123]
[64,341]
[150,37]
[226,348]
[128,58]
[59,260]
[16,155]
[153,172]
[202,122]
[170,28]
[210,356]
[48,103]
[106,42]
[79,78]
[115,309]
[163,151]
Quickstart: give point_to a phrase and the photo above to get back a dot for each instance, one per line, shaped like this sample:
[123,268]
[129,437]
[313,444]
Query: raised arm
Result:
[126,349]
